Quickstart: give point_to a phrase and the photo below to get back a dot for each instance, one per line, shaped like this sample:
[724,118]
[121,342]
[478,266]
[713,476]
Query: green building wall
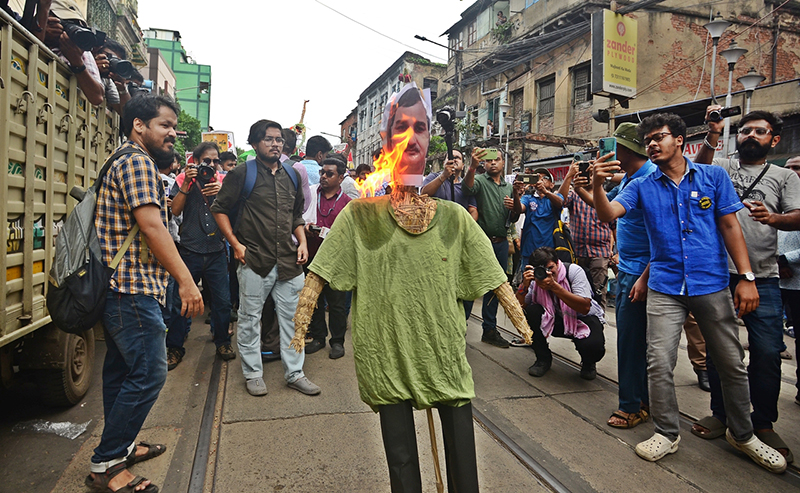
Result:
[186,75]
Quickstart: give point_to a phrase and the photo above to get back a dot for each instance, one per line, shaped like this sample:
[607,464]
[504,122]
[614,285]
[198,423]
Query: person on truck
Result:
[135,367]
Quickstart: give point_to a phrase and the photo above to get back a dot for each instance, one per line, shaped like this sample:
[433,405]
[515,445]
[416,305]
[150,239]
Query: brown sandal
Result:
[99,483]
[630,421]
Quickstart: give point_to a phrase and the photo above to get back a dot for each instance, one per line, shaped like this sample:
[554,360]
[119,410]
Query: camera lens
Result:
[539,272]
[82,37]
[123,68]
[714,116]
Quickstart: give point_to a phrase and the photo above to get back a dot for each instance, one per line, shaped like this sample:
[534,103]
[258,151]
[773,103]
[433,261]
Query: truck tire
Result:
[67,385]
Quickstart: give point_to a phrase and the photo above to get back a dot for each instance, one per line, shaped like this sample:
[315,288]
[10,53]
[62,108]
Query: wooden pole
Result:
[435,452]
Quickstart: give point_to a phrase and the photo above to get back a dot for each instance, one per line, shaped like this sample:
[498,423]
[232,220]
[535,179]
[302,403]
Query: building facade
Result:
[539,61]
[159,72]
[349,133]
[192,80]
[372,100]
[118,19]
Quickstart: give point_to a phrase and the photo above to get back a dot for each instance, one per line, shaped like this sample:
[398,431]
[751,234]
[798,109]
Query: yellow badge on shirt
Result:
[705,203]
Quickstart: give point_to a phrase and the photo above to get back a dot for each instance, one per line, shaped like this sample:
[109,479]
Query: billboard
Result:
[614,54]
[223,139]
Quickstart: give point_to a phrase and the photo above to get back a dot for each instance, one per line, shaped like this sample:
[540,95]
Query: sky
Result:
[267,57]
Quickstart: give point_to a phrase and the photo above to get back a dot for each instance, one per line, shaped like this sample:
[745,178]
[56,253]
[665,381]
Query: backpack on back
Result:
[235,214]
[79,280]
[562,240]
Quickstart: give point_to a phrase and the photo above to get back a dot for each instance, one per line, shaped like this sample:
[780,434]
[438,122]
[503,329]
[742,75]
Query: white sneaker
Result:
[256,386]
[761,453]
[657,447]
[305,386]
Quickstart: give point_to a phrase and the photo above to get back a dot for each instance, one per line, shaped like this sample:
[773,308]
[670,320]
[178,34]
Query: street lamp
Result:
[715,29]
[504,107]
[731,55]
[750,81]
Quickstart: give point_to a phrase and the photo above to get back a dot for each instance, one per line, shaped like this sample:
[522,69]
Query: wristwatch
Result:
[749,276]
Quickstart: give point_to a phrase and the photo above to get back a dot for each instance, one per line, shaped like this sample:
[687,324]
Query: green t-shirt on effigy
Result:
[408,324]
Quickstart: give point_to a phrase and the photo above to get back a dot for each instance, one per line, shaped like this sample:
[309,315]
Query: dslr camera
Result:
[719,115]
[83,37]
[123,68]
[205,174]
[540,273]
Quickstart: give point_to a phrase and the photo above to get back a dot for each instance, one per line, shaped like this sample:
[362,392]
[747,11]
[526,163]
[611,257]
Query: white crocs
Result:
[657,447]
[761,453]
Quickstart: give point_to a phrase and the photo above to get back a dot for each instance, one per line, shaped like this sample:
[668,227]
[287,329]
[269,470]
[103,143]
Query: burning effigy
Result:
[409,259]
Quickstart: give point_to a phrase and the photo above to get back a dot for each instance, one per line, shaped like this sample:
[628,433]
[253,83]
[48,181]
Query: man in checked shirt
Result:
[135,368]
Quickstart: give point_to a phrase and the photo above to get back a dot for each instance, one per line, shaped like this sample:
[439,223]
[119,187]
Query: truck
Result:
[52,139]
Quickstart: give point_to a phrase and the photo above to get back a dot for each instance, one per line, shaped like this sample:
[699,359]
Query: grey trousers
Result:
[717,321]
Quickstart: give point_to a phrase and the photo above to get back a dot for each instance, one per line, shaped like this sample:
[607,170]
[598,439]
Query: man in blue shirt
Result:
[689,214]
[542,210]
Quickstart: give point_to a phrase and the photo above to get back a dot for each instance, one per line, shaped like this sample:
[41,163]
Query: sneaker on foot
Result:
[337,351]
[305,386]
[786,354]
[174,358]
[495,339]
[256,386]
[539,368]
[588,371]
[226,352]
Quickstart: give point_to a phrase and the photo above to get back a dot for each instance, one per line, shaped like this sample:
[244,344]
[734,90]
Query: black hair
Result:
[317,144]
[201,148]
[116,47]
[541,256]
[227,156]
[336,155]
[289,141]
[145,108]
[774,120]
[341,167]
[672,121]
[258,131]
[178,156]
[363,167]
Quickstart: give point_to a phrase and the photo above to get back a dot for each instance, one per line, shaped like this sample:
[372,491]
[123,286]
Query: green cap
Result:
[627,136]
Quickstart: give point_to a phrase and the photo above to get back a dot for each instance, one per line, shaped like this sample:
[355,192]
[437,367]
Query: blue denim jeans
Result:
[765,334]
[490,301]
[213,268]
[134,371]
[253,292]
[631,346]
[172,308]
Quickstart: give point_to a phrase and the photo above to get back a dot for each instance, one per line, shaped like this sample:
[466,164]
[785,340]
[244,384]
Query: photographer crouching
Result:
[558,302]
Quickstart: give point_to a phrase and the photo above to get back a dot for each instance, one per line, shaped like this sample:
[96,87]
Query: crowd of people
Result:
[692,246]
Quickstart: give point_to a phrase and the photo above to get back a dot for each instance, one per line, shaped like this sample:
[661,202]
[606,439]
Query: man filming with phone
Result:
[558,303]
[542,211]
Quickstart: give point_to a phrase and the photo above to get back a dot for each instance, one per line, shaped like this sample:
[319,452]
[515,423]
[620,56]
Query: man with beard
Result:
[493,195]
[135,368]
[689,217]
[263,241]
[771,195]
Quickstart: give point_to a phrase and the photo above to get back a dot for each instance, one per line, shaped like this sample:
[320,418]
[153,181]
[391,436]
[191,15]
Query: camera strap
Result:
[753,185]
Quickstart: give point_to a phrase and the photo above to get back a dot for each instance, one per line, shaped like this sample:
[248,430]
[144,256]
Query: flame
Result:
[385,165]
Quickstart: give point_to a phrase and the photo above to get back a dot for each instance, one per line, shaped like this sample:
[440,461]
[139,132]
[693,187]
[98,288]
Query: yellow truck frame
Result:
[52,139]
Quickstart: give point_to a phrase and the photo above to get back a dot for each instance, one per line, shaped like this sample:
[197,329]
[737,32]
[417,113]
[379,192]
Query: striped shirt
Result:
[132,181]
[590,237]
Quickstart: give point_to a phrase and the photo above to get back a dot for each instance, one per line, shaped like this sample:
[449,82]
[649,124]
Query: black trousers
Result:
[400,445]
[592,348]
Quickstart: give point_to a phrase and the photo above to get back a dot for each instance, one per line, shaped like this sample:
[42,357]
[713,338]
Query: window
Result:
[581,84]
[493,114]
[371,112]
[547,97]
[362,118]
[472,32]
[433,85]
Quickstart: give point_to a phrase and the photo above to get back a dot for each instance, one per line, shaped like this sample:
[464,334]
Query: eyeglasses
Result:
[793,168]
[656,137]
[760,131]
[328,173]
[271,140]
[208,160]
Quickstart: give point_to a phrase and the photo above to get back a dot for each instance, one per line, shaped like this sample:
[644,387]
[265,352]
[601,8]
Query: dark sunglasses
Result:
[328,173]
[208,160]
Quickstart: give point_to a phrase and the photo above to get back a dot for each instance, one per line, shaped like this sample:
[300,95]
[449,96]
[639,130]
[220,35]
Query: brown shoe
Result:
[226,352]
[174,358]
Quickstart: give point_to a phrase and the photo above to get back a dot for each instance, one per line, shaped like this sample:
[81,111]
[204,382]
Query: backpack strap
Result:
[291,172]
[125,246]
[249,179]
[120,152]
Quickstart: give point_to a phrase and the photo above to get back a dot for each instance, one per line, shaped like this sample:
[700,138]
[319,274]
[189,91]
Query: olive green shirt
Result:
[408,323]
[269,216]
[492,213]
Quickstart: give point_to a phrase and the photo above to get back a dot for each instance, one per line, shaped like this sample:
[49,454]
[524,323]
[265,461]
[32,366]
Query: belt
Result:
[498,239]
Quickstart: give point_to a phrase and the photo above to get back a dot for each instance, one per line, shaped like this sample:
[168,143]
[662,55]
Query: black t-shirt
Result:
[199,231]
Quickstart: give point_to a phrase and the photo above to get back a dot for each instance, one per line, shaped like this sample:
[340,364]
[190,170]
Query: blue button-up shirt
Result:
[632,242]
[541,219]
[687,253]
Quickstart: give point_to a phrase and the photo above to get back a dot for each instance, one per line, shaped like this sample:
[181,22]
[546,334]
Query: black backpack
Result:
[79,281]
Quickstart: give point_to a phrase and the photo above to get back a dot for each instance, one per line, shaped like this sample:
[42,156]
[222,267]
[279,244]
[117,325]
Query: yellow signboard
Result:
[614,54]
[224,140]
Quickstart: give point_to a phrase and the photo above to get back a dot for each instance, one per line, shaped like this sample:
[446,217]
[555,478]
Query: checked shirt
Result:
[590,237]
[132,181]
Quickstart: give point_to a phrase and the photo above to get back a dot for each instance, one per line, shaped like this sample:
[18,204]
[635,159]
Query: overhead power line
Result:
[378,32]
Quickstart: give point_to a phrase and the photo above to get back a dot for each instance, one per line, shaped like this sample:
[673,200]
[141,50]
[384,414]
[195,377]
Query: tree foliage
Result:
[191,125]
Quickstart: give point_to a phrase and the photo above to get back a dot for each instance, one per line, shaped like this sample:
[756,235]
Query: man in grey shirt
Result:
[771,196]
